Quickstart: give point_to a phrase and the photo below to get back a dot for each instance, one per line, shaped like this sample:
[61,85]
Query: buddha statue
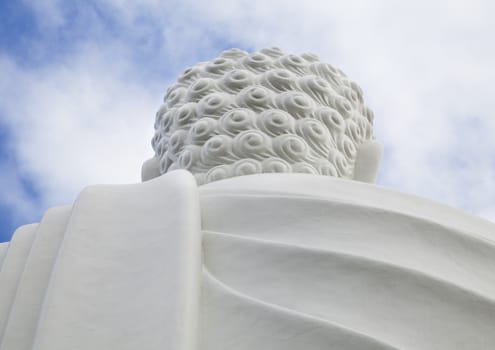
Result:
[257,226]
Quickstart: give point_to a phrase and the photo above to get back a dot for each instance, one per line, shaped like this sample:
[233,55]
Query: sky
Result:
[80,82]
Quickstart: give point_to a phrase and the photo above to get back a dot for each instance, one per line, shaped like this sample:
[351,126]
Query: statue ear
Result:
[150,169]
[367,161]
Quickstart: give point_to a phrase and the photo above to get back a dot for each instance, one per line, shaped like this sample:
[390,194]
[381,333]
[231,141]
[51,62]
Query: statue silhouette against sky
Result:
[257,226]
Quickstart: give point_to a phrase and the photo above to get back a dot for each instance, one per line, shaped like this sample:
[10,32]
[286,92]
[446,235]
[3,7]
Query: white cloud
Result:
[78,123]
[426,69]
[48,12]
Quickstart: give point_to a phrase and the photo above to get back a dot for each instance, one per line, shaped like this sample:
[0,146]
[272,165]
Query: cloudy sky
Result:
[80,82]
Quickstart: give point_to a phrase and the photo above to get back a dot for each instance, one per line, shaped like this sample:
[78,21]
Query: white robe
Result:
[272,261]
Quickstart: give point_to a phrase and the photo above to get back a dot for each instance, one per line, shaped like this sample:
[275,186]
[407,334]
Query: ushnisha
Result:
[264,112]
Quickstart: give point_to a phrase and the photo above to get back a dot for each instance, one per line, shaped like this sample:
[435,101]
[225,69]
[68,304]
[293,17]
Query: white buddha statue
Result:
[266,112]
[257,226]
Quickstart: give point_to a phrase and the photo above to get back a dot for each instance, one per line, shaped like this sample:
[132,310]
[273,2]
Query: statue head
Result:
[264,112]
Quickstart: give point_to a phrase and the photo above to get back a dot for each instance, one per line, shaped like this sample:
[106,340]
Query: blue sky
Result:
[81,81]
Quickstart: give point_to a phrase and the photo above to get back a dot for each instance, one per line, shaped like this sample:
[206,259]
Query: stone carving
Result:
[268,261]
[263,112]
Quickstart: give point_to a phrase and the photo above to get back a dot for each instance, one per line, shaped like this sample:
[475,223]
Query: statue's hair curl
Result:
[266,111]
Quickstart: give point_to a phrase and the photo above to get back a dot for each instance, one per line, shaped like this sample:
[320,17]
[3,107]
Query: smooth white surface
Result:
[346,191]
[366,262]
[289,261]
[369,154]
[30,294]
[3,251]
[263,112]
[150,169]
[12,269]
[255,324]
[127,275]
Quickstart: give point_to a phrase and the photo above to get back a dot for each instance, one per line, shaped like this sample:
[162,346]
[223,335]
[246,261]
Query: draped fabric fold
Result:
[395,270]
[271,261]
